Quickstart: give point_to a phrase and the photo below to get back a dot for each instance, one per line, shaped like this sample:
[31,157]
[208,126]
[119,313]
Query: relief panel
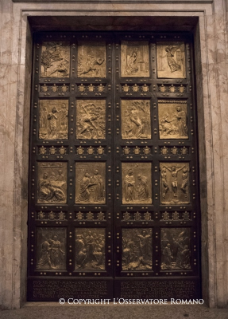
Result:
[90,249]
[135,59]
[174,183]
[92,60]
[137,249]
[52,182]
[172,119]
[51,248]
[175,248]
[171,60]
[136,183]
[53,119]
[135,119]
[91,119]
[90,183]
[55,59]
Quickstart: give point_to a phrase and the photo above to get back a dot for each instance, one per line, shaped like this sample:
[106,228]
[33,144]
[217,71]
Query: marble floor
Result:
[56,311]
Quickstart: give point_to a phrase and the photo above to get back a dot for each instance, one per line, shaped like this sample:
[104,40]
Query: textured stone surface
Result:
[55,311]
[211,83]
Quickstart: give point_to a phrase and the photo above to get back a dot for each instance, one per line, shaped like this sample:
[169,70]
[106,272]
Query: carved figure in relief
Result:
[137,249]
[135,119]
[130,186]
[185,179]
[55,59]
[90,249]
[97,181]
[174,170]
[92,60]
[173,120]
[84,188]
[51,190]
[174,66]
[51,253]
[91,120]
[174,179]
[53,120]
[167,256]
[142,189]
[165,186]
[175,244]
[132,67]
[181,121]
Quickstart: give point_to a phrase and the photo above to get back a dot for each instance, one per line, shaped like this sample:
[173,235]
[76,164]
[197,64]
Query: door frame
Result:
[204,123]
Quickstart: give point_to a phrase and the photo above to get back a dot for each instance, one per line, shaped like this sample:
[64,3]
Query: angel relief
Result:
[53,119]
[92,60]
[135,119]
[134,59]
[172,120]
[91,119]
[55,59]
[171,60]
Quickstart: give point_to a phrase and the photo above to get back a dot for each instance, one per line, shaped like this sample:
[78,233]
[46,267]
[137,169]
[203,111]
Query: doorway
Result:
[114,200]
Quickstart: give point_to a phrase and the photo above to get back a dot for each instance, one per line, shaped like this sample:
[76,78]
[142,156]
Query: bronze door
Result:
[114,200]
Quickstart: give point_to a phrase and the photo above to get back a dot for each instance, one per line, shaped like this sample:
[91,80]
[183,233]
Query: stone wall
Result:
[211,82]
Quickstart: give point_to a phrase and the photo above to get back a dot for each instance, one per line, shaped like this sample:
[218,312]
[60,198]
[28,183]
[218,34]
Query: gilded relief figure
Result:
[136,183]
[135,119]
[90,249]
[174,185]
[171,60]
[135,59]
[51,248]
[53,119]
[175,247]
[172,120]
[92,60]
[91,121]
[137,249]
[55,59]
[52,182]
[90,183]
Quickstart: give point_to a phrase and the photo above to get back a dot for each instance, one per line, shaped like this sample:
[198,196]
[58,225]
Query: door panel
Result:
[114,201]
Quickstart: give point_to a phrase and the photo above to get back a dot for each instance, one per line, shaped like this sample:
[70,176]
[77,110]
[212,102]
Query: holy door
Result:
[114,199]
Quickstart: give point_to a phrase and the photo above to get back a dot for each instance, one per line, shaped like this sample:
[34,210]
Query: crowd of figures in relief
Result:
[136,185]
[175,247]
[90,183]
[90,249]
[51,248]
[137,249]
